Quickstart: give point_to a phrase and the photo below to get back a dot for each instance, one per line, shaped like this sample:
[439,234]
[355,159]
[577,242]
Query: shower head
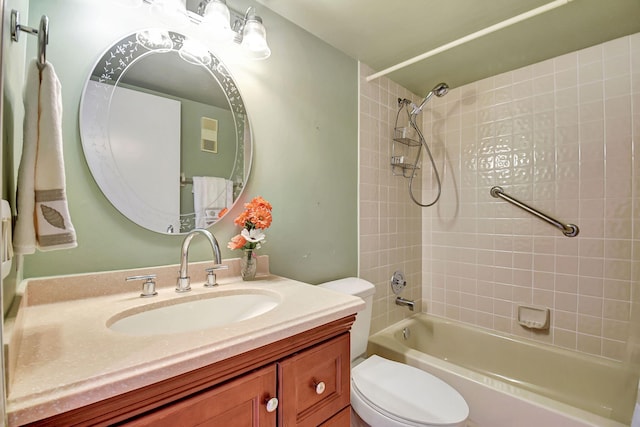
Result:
[439,90]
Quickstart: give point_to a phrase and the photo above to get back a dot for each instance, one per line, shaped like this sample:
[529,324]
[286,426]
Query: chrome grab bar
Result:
[569,230]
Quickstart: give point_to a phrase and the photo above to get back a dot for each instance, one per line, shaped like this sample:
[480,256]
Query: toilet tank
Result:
[360,329]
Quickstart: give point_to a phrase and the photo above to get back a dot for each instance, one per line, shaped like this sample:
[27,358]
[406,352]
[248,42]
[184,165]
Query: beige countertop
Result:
[63,356]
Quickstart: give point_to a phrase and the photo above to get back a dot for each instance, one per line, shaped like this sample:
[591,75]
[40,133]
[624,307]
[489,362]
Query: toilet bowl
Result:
[385,393]
[391,394]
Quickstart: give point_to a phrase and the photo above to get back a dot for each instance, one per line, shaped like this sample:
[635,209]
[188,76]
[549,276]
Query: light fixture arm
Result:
[239,24]
[202,6]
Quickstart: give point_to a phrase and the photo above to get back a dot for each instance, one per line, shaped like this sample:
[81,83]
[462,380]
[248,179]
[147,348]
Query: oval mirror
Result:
[165,132]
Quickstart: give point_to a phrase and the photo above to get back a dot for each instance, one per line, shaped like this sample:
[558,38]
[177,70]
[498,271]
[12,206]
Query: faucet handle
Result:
[211,275]
[148,287]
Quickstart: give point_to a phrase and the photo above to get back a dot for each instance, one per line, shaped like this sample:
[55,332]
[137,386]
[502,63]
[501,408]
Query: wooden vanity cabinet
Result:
[233,392]
[313,386]
[239,403]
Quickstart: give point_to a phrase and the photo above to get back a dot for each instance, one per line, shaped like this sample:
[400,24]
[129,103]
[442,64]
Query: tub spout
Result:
[405,302]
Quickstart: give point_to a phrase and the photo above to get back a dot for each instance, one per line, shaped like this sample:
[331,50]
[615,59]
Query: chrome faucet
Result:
[184,284]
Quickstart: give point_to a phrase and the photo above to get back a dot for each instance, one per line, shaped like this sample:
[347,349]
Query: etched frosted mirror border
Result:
[107,72]
[116,60]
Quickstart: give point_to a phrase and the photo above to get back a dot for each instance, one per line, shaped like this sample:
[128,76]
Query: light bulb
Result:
[215,21]
[254,39]
[155,39]
[194,52]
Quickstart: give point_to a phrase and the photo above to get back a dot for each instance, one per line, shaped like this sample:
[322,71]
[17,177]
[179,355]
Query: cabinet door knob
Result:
[319,386]
[272,404]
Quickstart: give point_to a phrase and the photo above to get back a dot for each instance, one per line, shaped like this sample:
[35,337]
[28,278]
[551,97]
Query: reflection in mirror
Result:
[165,132]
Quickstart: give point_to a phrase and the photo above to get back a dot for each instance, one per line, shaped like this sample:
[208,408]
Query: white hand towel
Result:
[43,214]
[25,232]
[53,221]
[210,193]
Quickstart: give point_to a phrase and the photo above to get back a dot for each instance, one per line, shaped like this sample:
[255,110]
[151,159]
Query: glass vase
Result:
[248,264]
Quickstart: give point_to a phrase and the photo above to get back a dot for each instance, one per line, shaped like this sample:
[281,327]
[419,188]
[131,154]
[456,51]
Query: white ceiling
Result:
[384,33]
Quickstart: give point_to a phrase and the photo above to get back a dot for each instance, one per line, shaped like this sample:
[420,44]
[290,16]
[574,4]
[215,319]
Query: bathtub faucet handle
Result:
[405,302]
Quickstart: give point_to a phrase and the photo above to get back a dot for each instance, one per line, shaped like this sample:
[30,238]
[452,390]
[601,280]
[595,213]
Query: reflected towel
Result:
[210,196]
[43,213]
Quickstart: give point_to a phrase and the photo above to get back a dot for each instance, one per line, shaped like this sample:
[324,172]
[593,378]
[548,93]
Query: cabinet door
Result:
[238,403]
[314,384]
[341,419]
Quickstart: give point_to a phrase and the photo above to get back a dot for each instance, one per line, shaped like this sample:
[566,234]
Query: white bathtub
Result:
[513,382]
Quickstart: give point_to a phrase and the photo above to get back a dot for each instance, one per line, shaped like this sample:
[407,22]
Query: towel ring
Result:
[42,32]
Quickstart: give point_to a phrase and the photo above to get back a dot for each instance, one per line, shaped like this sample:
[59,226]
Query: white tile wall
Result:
[390,225]
[560,135]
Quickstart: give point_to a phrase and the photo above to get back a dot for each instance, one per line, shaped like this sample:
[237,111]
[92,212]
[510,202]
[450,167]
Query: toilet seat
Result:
[406,394]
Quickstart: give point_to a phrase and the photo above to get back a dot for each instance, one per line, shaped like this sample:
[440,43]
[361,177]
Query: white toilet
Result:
[391,394]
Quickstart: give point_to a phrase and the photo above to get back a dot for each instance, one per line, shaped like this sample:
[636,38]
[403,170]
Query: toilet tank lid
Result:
[352,286]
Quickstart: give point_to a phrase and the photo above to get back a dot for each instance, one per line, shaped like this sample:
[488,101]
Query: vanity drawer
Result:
[314,384]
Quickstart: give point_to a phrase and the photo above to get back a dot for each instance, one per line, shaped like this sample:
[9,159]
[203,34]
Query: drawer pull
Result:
[272,404]
[319,386]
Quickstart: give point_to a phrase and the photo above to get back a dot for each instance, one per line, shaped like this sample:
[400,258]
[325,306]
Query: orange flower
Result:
[258,201]
[257,213]
[242,219]
[256,216]
[237,242]
[222,212]
[260,216]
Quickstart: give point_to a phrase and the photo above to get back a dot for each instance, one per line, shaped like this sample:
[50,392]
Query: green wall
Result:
[303,107]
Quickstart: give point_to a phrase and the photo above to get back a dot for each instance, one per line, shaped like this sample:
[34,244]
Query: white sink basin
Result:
[194,314]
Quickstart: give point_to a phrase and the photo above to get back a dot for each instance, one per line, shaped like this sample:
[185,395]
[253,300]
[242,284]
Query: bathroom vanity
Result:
[287,366]
[310,387]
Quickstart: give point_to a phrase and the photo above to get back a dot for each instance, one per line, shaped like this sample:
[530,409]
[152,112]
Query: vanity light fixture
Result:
[218,20]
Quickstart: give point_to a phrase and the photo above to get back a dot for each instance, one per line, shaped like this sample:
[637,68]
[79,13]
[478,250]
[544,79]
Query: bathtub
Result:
[513,382]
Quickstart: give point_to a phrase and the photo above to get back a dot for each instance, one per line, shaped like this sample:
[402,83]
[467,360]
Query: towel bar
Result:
[189,181]
[569,230]
[184,180]
[42,32]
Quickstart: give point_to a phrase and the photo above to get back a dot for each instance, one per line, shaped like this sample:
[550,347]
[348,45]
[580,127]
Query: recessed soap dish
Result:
[533,317]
